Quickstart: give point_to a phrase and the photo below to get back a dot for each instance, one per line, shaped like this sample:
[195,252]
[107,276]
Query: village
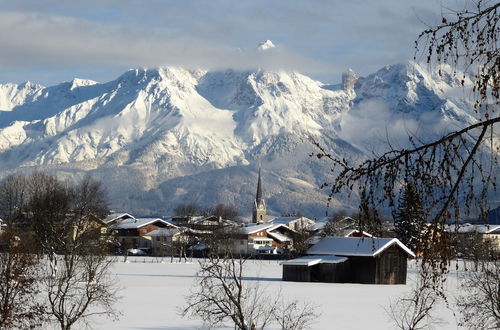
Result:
[332,249]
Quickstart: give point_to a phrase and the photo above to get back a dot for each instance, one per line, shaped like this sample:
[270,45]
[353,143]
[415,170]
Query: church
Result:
[259,213]
[259,205]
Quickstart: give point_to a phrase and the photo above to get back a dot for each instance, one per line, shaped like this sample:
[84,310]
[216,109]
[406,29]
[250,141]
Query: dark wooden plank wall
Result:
[391,266]
[363,270]
[334,273]
[296,273]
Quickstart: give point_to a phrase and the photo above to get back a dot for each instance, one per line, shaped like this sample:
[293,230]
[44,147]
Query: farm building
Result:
[351,260]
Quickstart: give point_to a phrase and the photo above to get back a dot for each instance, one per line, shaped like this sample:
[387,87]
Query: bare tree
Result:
[300,242]
[19,285]
[187,209]
[49,205]
[224,211]
[455,172]
[479,303]
[82,287]
[413,311]
[64,224]
[13,194]
[338,224]
[221,295]
[295,316]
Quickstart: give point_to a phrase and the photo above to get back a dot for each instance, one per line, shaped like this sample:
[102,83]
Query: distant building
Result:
[351,260]
[166,241]
[262,239]
[201,222]
[132,232]
[259,205]
[489,234]
[116,217]
[294,222]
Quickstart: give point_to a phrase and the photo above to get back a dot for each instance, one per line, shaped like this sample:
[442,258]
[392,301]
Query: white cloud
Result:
[372,126]
[42,40]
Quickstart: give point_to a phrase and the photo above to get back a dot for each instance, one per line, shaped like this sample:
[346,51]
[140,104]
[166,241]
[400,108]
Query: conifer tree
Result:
[409,217]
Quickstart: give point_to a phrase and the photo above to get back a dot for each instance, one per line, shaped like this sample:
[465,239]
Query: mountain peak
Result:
[268,44]
[77,82]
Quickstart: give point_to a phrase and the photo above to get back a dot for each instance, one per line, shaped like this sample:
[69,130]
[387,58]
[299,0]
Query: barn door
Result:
[392,267]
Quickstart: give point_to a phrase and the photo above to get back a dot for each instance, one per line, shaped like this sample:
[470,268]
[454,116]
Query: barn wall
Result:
[362,270]
[334,273]
[391,266]
[296,273]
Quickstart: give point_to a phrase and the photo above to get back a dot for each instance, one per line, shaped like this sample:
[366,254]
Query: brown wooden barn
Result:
[351,260]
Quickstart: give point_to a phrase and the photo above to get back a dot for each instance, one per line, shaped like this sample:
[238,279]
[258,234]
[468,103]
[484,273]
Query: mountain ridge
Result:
[176,126]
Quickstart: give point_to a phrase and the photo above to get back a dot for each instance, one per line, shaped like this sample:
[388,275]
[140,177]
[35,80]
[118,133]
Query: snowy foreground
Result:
[153,293]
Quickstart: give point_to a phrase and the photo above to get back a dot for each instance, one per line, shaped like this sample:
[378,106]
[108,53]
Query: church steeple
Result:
[259,205]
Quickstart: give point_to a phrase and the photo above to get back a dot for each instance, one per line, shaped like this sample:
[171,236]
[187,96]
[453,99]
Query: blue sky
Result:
[49,41]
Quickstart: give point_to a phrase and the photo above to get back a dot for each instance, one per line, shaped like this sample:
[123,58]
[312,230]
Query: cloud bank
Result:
[317,37]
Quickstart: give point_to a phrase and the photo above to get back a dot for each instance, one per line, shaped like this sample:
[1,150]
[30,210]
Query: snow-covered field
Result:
[153,293]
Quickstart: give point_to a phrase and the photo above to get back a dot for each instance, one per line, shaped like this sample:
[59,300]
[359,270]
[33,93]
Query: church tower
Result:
[259,205]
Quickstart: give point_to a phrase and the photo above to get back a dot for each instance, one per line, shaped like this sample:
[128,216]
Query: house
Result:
[294,222]
[351,260]
[201,222]
[132,232]
[165,241]
[466,233]
[262,239]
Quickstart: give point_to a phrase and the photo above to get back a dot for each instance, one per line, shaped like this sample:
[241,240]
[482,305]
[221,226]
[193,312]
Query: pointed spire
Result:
[258,197]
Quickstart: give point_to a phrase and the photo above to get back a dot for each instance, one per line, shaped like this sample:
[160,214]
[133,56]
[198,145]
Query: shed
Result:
[365,260]
[314,269]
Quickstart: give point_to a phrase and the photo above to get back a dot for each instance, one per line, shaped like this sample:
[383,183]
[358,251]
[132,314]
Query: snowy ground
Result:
[153,292]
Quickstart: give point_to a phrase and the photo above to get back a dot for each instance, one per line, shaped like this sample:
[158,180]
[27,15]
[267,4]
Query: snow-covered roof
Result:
[349,223]
[279,236]
[256,228]
[251,229]
[470,228]
[135,223]
[349,232]
[318,226]
[350,246]
[164,232]
[114,216]
[313,260]
[287,220]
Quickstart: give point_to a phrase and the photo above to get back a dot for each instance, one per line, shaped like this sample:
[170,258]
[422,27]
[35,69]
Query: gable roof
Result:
[135,223]
[114,216]
[266,226]
[349,232]
[362,247]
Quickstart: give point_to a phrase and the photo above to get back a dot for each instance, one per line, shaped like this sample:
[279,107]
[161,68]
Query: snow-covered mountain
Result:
[159,137]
